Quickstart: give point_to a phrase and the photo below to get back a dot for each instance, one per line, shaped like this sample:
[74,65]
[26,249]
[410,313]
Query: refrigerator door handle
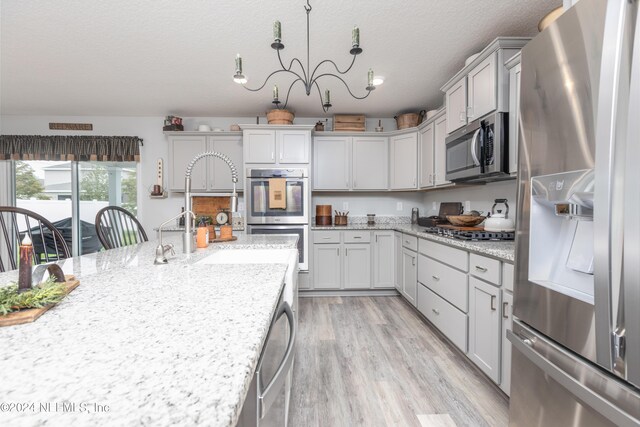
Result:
[527,347]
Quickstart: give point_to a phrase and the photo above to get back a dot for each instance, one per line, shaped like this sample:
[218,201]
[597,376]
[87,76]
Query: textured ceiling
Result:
[144,58]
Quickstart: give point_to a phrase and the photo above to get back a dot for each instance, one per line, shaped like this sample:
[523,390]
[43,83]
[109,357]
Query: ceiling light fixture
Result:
[308,78]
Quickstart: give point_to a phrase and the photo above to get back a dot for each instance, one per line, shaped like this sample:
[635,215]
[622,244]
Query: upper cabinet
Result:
[482,86]
[404,161]
[432,153]
[513,65]
[456,101]
[275,146]
[440,152]
[481,89]
[425,148]
[209,174]
[343,163]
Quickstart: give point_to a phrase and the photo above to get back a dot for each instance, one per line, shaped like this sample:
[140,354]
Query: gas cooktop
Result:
[477,235]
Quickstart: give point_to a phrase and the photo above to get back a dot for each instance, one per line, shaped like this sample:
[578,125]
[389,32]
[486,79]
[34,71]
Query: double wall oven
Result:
[293,218]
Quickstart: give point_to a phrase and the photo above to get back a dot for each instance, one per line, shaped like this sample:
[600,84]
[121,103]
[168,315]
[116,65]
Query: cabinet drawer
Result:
[445,281]
[507,276]
[326,237]
[410,242]
[357,236]
[451,321]
[485,268]
[454,257]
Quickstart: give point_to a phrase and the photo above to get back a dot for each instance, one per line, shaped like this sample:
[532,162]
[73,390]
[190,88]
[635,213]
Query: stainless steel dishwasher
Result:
[267,402]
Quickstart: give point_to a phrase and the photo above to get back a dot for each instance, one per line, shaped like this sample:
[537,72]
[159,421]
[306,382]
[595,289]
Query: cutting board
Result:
[29,315]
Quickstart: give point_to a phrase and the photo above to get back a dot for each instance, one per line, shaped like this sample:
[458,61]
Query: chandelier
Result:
[309,79]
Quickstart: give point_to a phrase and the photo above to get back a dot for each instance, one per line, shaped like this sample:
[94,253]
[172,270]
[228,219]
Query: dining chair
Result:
[48,242]
[117,227]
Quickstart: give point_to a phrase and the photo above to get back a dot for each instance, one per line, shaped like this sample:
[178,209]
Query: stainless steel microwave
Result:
[479,151]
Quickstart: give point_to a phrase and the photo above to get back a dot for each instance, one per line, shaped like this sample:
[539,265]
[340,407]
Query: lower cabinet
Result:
[357,266]
[397,247]
[451,321]
[327,266]
[484,327]
[409,275]
[383,259]
[507,322]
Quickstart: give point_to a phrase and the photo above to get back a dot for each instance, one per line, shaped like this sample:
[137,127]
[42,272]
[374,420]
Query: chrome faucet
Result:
[188,244]
[161,250]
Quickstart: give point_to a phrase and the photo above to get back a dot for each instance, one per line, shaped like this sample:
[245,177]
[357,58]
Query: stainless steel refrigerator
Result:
[576,332]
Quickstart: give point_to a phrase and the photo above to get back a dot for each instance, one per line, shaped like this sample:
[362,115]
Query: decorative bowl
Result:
[465,220]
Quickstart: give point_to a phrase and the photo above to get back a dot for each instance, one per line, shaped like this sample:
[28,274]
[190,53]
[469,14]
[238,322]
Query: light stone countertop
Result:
[502,250]
[172,344]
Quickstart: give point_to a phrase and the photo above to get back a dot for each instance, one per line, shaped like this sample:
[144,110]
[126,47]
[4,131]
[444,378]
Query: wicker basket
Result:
[408,120]
[280,117]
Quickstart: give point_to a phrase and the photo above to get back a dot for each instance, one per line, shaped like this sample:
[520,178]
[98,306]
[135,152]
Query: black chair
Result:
[48,243]
[117,227]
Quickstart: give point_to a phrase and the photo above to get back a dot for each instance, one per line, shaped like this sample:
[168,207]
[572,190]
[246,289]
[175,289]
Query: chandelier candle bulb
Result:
[327,97]
[276,31]
[370,77]
[355,36]
[275,91]
[238,64]
[24,272]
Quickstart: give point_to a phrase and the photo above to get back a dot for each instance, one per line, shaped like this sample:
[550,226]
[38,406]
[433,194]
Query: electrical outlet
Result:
[241,206]
[467,206]
[399,206]
[345,206]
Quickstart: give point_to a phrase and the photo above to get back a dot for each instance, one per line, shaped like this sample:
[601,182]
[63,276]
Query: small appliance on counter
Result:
[323,215]
[499,221]
[371,219]
[341,218]
[446,209]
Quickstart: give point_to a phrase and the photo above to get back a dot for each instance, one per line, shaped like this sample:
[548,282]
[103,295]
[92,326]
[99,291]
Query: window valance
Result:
[70,147]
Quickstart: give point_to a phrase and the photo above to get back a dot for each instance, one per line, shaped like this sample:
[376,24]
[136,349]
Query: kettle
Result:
[498,221]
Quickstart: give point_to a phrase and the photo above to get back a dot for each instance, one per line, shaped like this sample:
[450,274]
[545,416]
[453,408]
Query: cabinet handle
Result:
[338,249]
[407,242]
[435,278]
[346,184]
[326,238]
[354,184]
[504,310]
[463,116]
[413,261]
[436,311]
[414,182]
[280,155]
[273,156]
[357,237]
[346,251]
[376,239]
[493,303]
[430,178]
[480,268]
[470,112]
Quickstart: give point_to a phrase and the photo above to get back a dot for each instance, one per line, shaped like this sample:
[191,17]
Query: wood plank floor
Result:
[372,361]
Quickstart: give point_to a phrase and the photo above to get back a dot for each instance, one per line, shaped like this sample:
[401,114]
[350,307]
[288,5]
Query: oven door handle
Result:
[474,147]
[268,394]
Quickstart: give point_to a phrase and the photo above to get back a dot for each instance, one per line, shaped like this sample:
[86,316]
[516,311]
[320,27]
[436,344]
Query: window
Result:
[46,187]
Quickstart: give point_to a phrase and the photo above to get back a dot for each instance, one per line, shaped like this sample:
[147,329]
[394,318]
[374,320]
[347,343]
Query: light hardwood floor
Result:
[372,361]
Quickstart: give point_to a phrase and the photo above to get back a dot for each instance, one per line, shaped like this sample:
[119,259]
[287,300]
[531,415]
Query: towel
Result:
[277,193]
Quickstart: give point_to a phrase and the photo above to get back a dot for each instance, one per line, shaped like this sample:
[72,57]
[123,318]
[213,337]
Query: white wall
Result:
[379,203]
[151,212]
[480,196]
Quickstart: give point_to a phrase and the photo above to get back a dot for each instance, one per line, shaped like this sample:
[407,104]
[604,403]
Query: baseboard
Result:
[389,292]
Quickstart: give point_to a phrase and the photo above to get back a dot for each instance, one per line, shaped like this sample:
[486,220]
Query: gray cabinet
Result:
[514,112]
[426,153]
[357,266]
[383,259]
[182,149]
[370,163]
[331,160]
[259,146]
[404,161]
[482,92]
[219,174]
[440,152]
[484,327]
[507,322]
[456,101]
[350,163]
[209,174]
[397,247]
[269,146]
[409,275]
[327,266]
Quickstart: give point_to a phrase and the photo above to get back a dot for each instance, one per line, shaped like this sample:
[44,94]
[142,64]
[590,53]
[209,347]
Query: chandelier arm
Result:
[345,85]
[325,109]
[291,65]
[269,76]
[335,65]
[286,101]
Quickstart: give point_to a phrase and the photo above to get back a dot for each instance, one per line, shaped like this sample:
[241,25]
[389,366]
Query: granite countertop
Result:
[175,228]
[501,250]
[168,344]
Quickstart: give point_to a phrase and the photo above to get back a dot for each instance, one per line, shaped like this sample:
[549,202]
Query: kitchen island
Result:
[143,344]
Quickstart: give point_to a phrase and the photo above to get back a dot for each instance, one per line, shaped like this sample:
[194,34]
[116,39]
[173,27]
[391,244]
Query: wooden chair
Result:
[117,227]
[48,242]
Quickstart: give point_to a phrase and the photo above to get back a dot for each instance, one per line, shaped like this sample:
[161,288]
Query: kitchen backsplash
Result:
[380,219]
